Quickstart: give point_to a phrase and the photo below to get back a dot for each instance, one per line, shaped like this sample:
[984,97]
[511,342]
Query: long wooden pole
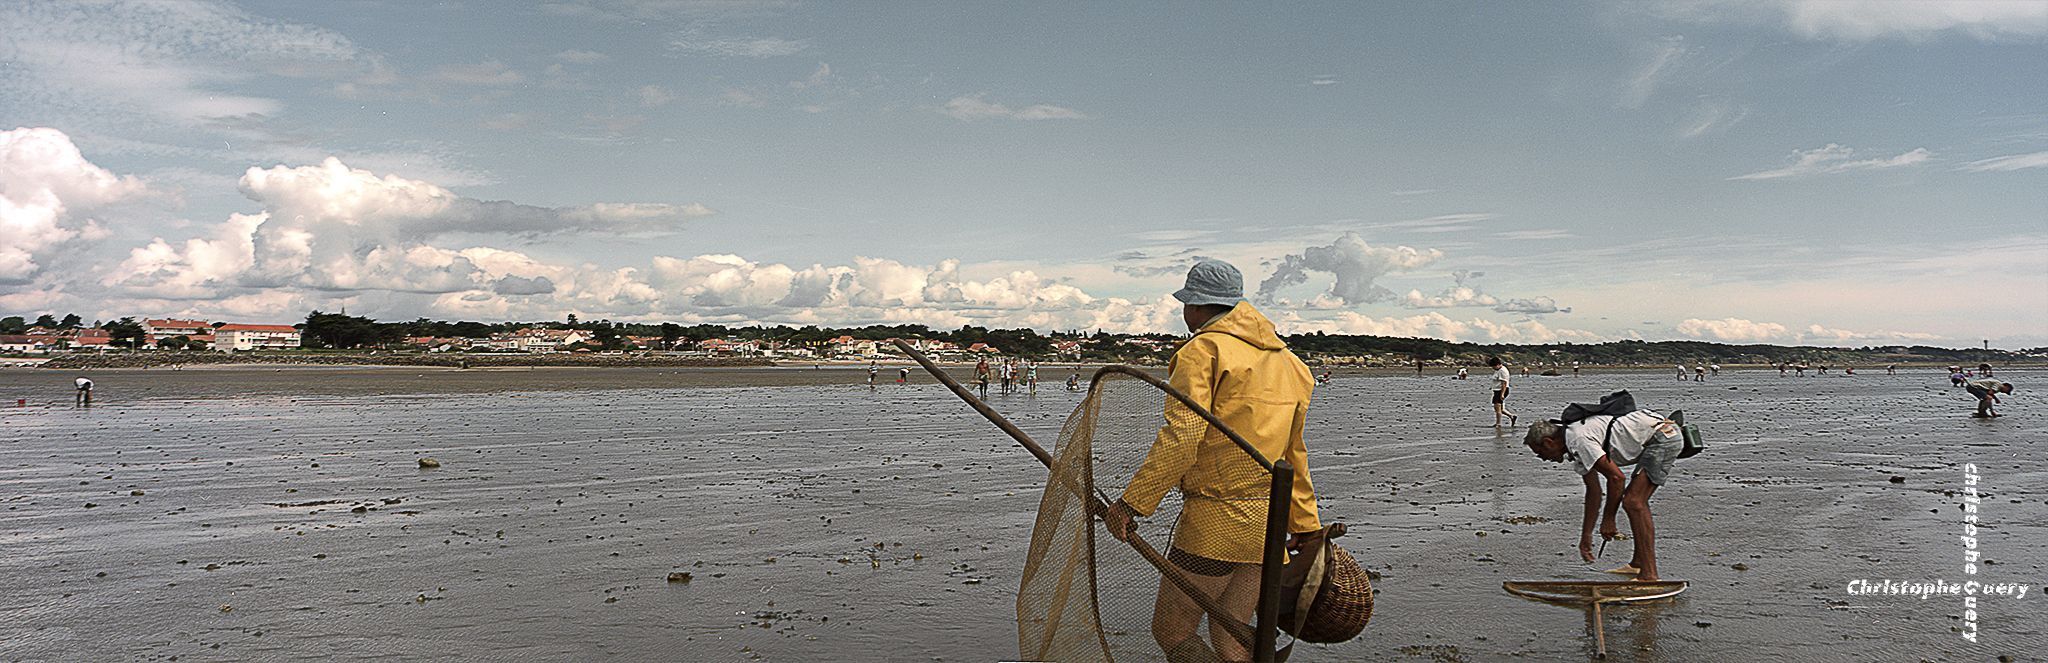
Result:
[1217,615]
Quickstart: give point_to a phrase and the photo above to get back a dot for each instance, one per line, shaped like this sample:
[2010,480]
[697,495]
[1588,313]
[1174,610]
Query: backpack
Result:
[1615,404]
[1621,403]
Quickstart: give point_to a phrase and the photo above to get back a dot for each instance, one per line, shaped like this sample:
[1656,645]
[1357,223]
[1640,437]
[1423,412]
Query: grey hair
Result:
[1540,430]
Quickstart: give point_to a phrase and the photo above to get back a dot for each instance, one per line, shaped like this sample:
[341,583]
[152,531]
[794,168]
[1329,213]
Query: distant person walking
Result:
[1031,377]
[1985,389]
[1575,369]
[1418,368]
[84,396]
[981,376]
[873,370]
[1500,391]
[1781,370]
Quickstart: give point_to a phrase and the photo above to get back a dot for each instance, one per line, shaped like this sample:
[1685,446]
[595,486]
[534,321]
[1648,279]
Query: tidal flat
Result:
[266,515]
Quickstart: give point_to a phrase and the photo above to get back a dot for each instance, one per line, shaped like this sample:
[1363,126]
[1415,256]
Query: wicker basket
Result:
[1342,605]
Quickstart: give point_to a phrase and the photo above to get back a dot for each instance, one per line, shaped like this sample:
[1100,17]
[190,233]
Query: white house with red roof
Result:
[232,337]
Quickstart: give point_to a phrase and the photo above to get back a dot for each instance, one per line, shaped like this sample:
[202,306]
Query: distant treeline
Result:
[340,331]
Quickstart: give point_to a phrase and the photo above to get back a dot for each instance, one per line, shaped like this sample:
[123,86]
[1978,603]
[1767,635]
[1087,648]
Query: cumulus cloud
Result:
[1355,264]
[47,191]
[334,228]
[1439,326]
[1835,159]
[1864,21]
[1531,306]
[1738,330]
[1734,330]
[2008,162]
[520,285]
[1462,293]
[974,107]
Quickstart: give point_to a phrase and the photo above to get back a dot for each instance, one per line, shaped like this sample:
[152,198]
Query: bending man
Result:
[1237,367]
[1597,451]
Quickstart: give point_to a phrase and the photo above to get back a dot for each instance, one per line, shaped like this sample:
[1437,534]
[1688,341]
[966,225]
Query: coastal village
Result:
[173,334]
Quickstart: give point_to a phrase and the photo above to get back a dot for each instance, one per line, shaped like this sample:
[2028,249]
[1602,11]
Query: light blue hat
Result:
[1212,282]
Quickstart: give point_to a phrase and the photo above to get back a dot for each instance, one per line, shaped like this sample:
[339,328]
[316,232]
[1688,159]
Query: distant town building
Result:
[155,332]
[234,337]
[25,344]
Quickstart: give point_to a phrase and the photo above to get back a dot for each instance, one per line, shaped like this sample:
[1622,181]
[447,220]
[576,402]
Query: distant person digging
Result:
[1599,440]
[1986,390]
[84,396]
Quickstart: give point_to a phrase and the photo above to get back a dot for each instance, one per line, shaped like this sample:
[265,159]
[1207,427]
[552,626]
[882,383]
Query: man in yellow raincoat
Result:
[1240,369]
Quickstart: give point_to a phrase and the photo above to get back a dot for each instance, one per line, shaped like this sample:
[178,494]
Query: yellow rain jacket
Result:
[1241,370]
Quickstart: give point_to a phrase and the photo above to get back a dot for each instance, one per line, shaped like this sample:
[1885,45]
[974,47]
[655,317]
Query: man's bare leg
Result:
[1635,500]
[1176,619]
[1240,599]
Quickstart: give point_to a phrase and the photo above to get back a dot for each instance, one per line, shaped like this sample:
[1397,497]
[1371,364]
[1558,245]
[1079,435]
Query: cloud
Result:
[739,97]
[335,228]
[2008,162]
[1441,223]
[654,96]
[1462,293]
[1866,21]
[574,56]
[130,62]
[1533,235]
[1438,326]
[47,190]
[1355,264]
[1738,330]
[486,73]
[1531,306]
[520,285]
[737,47]
[974,107]
[1735,330]
[1322,80]
[1835,159]
[1662,59]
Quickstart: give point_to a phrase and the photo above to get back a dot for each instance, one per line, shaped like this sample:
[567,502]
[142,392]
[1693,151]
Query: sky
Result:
[1768,171]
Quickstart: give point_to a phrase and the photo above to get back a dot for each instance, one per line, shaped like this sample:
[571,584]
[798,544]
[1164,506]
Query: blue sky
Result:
[1790,172]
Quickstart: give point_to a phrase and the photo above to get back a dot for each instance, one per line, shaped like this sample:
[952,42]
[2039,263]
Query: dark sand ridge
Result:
[556,517]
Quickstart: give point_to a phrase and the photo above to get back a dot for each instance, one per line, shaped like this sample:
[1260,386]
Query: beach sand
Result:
[818,520]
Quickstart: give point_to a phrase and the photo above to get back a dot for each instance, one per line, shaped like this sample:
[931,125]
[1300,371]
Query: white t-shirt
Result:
[1584,439]
[1500,377]
[84,383]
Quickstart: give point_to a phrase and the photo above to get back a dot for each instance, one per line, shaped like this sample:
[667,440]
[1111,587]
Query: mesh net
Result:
[1087,596]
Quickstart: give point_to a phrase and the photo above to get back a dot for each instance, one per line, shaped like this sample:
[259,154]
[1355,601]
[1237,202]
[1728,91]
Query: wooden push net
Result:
[1204,500]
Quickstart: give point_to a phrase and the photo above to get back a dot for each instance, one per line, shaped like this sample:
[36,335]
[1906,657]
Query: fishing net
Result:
[1087,596]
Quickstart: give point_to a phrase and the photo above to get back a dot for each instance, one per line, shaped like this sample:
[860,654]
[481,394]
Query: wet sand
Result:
[290,519]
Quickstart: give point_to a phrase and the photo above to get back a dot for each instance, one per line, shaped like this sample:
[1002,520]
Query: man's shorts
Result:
[1500,396]
[1980,392]
[1659,453]
[1199,565]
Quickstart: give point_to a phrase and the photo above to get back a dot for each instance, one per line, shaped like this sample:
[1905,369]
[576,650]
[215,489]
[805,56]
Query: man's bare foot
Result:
[1625,570]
